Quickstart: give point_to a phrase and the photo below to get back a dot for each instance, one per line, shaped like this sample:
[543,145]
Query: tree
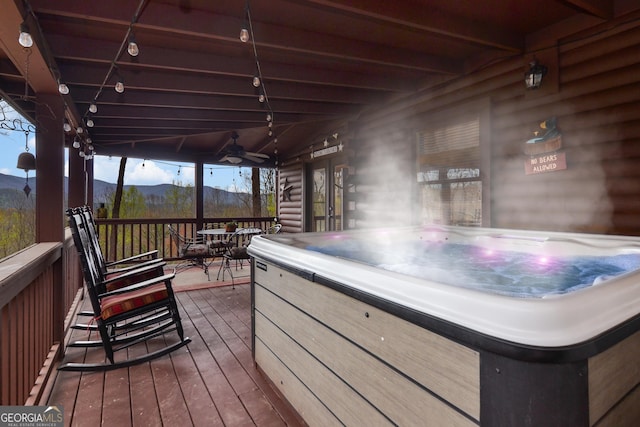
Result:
[115,212]
[262,182]
[180,200]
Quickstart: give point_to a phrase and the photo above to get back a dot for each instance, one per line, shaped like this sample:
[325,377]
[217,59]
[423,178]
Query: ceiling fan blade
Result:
[261,155]
[255,159]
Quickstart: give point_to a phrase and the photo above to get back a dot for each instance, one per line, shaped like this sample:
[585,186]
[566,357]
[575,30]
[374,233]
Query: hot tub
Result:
[450,326]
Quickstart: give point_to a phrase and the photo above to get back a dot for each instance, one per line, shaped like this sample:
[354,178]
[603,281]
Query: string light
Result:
[132,47]
[246,34]
[63,88]
[93,108]
[119,87]
[25,38]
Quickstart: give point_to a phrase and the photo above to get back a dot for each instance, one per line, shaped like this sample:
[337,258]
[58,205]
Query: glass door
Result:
[326,191]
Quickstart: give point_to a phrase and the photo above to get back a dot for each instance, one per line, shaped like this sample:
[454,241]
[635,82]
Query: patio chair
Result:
[274,229]
[235,250]
[126,316]
[194,251]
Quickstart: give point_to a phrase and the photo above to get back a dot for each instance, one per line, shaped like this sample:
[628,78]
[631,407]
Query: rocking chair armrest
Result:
[144,284]
[144,264]
[153,254]
[134,272]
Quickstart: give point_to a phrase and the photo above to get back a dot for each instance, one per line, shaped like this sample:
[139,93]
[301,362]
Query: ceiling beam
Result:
[137,98]
[417,16]
[164,81]
[598,8]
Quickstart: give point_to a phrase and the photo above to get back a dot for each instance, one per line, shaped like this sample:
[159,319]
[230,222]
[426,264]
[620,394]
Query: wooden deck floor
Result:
[211,382]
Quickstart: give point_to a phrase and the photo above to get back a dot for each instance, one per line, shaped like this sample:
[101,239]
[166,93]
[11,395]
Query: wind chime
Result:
[26,161]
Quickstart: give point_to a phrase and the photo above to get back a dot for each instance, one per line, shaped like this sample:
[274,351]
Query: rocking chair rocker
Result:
[125,316]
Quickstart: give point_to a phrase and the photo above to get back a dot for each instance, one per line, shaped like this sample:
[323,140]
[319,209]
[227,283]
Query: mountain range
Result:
[9,184]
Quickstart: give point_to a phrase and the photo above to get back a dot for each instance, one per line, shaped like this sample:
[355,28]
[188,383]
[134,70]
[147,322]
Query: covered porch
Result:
[401,113]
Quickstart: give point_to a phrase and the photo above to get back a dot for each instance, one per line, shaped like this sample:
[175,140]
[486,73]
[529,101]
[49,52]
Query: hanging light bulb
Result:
[76,143]
[79,130]
[93,108]
[119,85]
[66,126]
[261,97]
[269,117]
[244,35]
[256,81]
[133,46]
[63,88]
[25,38]
[81,153]
[90,122]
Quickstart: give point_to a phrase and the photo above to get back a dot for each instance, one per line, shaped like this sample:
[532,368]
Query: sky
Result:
[137,172]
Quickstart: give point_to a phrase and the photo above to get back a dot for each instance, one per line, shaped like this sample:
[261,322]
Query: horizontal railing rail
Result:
[122,238]
[37,288]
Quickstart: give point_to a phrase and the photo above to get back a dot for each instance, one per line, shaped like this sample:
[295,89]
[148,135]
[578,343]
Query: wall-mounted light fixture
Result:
[533,77]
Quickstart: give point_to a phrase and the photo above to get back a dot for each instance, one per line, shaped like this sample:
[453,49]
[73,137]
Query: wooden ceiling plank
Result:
[151,57]
[163,17]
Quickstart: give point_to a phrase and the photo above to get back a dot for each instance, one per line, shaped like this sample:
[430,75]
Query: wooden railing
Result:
[121,238]
[38,287]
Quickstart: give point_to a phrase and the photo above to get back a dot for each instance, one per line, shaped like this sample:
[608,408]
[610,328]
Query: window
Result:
[449,175]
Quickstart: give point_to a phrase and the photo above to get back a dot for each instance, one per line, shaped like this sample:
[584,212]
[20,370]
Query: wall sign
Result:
[543,151]
[548,162]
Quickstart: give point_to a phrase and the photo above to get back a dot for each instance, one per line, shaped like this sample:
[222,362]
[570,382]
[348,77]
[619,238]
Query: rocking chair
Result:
[126,316]
[146,266]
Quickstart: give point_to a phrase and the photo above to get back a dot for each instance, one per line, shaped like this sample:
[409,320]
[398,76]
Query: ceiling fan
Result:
[235,153]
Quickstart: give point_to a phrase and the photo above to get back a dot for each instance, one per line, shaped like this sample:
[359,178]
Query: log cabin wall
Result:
[290,200]
[592,88]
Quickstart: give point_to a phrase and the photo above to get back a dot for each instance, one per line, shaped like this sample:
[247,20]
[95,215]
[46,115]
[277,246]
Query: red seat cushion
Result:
[134,278]
[121,303]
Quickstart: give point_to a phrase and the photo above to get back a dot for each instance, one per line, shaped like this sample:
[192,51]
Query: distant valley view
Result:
[164,199]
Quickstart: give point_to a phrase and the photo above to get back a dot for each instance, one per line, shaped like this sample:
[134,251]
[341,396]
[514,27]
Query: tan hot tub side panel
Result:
[348,407]
[357,387]
[446,369]
[612,374]
[312,410]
